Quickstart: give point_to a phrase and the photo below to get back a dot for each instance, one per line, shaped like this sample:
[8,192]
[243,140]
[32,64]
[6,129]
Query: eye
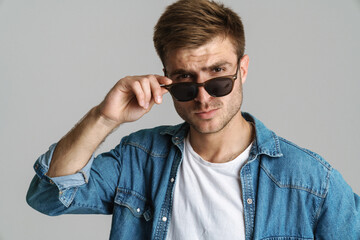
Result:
[183,76]
[218,69]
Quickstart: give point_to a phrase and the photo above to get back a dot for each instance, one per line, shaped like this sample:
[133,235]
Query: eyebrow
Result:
[218,64]
[215,65]
[182,71]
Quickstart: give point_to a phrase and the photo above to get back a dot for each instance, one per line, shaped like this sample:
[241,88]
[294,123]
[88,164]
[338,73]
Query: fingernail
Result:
[146,105]
[142,103]
[158,99]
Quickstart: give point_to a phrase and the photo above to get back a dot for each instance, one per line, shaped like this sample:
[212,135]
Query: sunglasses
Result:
[215,87]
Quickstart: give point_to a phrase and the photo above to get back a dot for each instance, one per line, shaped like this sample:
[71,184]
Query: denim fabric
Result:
[289,192]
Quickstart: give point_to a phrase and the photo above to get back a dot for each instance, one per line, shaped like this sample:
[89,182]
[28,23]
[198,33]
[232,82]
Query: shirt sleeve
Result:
[339,217]
[42,165]
[89,191]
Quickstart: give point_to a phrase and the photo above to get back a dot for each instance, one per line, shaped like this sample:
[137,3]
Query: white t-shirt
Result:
[207,200]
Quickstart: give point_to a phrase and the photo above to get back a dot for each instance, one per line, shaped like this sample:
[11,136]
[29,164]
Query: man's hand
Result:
[127,101]
[132,97]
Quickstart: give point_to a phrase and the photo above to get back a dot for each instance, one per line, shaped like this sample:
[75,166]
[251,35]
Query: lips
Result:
[206,114]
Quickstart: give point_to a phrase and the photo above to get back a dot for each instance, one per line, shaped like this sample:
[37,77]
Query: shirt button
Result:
[138,210]
[172,179]
[249,201]
[164,219]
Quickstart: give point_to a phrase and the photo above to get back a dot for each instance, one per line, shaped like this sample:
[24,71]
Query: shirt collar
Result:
[265,142]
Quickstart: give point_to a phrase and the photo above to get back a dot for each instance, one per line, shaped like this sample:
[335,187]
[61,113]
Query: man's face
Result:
[207,114]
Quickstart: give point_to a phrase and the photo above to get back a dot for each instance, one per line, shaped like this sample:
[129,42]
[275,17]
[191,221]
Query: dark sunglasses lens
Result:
[184,91]
[219,87]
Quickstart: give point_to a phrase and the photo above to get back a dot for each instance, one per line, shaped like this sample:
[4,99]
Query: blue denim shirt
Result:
[288,192]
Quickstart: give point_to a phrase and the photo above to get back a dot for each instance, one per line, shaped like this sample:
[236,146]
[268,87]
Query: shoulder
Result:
[298,168]
[297,155]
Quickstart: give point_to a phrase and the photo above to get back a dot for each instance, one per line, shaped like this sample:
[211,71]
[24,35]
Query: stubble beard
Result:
[231,111]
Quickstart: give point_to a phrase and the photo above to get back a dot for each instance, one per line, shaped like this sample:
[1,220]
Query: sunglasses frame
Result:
[197,85]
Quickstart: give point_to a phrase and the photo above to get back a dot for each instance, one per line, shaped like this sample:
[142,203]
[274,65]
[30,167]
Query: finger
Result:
[156,89]
[163,79]
[139,93]
[145,85]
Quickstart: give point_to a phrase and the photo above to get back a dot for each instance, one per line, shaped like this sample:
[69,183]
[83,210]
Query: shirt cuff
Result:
[42,164]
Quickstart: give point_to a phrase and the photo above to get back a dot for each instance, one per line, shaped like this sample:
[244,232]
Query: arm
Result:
[127,101]
[340,213]
[63,173]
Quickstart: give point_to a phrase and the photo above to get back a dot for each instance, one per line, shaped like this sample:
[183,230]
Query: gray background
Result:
[60,58]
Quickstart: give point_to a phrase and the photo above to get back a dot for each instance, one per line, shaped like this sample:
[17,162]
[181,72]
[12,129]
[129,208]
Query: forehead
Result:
[217,50]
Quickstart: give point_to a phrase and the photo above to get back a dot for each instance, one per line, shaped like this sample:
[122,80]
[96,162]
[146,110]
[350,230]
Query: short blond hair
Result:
[193,23]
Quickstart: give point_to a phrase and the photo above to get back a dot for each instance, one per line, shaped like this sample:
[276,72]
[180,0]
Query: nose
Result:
[202,95]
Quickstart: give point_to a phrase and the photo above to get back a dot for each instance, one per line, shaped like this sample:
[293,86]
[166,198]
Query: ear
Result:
[244,64]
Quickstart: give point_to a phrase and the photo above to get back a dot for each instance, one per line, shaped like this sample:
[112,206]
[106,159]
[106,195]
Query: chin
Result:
[207,128]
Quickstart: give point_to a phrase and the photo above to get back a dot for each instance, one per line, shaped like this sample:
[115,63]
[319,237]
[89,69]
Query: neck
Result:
[226,144]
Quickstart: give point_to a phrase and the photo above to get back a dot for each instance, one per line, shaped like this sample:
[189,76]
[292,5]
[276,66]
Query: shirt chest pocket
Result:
[135,202]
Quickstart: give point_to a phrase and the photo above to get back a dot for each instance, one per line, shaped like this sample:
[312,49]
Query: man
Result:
[220,175]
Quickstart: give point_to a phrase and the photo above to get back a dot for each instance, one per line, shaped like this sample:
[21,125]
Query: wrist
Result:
[104,122]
